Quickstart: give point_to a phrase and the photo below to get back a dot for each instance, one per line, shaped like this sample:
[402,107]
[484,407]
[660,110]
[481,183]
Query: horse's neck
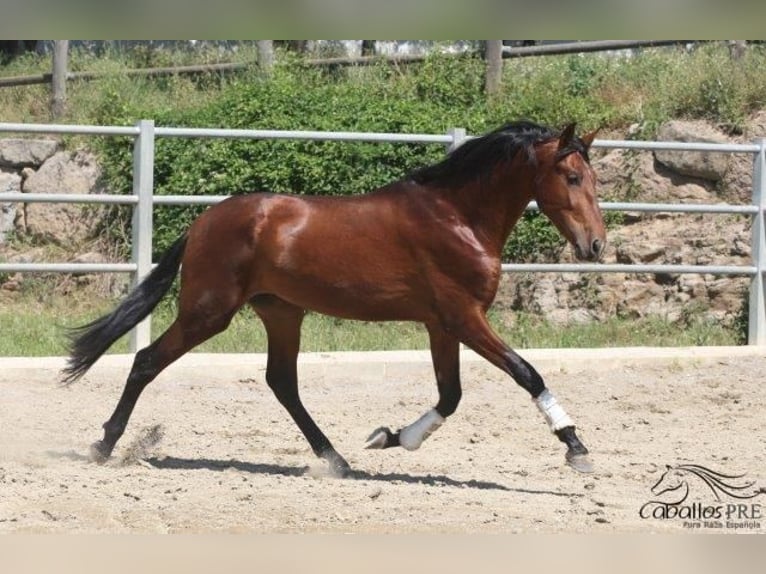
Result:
[494,206]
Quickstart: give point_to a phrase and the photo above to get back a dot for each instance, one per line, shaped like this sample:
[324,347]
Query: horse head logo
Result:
[676,479]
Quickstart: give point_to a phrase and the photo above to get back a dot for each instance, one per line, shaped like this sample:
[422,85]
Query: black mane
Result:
[477,157]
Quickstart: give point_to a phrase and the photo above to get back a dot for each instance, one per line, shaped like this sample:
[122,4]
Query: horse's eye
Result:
[573,179]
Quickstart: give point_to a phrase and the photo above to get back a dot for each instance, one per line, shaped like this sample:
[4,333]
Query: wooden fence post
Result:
[58,79]
[493,54]
[737,49]
[266,55]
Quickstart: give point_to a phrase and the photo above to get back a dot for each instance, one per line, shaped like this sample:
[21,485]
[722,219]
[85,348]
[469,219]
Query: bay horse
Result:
[425,248]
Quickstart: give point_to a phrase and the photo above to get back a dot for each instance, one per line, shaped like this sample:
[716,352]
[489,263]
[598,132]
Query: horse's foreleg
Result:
[283,325]
[445,353]
[479,336]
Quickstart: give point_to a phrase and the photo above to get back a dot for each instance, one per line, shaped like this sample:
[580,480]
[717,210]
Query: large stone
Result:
[636,176]
[738,183]
[641,299]
[9,183]
[701,164]
[641,251]
[19,153]
[61,223]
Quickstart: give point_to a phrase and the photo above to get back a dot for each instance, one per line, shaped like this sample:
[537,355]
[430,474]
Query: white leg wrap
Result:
[555,416]
[413,435]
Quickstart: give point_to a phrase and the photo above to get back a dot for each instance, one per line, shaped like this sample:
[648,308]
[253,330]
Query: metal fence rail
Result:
[143,201]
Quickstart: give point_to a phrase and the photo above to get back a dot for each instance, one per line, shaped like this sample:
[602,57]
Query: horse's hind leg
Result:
[186,332]
[283,326]
[445,354]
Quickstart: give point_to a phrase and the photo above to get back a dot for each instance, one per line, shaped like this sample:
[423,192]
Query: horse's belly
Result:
[363,300]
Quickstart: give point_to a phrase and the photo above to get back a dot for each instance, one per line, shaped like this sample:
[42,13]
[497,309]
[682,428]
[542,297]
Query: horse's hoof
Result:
[340,470]
[579,462]
[99,452]
[380,438]
[337,465]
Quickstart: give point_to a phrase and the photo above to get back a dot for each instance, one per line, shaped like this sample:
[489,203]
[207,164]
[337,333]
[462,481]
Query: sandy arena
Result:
[225,457]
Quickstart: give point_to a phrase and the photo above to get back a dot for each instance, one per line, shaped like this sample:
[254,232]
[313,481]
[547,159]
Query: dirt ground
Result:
[230,460]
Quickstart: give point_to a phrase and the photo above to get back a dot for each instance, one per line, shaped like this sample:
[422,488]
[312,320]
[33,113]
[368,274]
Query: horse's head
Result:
[672,479]
[565,191]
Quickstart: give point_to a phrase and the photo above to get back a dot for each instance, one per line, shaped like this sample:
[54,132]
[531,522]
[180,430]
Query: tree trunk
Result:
[493,54]
[58,79]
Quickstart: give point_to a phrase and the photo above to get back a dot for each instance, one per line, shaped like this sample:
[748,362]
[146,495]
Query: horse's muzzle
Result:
[591,252]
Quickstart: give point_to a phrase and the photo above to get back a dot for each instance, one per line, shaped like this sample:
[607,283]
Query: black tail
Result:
[89,342]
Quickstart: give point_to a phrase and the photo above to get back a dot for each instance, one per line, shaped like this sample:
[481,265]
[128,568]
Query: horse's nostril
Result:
[597,246]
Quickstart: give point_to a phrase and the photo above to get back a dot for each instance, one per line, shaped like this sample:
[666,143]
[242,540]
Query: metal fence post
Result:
[458,136]
[143,188]
[757,312]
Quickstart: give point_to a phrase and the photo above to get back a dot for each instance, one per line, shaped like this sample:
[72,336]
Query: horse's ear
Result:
[588,138]
[566,135]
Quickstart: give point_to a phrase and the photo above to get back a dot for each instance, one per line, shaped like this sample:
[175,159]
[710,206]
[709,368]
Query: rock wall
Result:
[49,231]
[40,166]
[670,239]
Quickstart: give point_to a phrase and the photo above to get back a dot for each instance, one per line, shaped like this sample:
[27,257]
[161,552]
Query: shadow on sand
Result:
[175,463]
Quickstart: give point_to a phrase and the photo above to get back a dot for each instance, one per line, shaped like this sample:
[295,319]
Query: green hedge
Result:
[431,98]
